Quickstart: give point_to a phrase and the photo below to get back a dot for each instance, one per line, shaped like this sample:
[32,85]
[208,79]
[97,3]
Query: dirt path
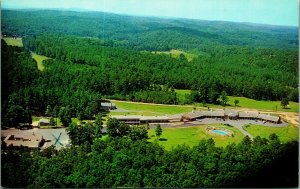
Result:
[291,117]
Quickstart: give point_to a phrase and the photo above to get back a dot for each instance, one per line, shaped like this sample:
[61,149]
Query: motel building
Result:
[231,115]
[139,120]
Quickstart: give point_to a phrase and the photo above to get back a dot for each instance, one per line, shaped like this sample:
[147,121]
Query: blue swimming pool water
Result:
[220,132]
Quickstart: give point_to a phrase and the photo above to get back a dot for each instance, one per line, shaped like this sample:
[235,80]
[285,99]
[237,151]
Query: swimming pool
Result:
[220,132]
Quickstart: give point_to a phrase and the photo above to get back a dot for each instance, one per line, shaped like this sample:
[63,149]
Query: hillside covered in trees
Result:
[148,33]
[95,55]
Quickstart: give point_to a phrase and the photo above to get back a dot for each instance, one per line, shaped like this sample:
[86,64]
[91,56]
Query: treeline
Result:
[123,162]
[262,74]
[152,34]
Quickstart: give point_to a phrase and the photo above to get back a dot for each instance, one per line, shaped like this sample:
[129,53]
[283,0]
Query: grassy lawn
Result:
[264,105]
[39,59]
[247,103]
[285,133]
[18,42]
[34,118]
[150,109]
[176,53]
[181,94]
[135,113]
[192,135]
[13,42]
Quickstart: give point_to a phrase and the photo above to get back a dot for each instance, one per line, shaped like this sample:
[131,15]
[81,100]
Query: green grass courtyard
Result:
[192,135]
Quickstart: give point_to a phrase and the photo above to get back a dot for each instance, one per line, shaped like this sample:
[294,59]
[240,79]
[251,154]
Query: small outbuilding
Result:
[44,122]
[108,106]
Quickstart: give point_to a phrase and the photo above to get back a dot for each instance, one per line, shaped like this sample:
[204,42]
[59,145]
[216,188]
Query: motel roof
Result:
[248,114]
[44,121]
[198,114]
[107,104]
[193,115]
[268,117]
[231,112]
[142,118]
[148,118]
[217,113]
[175,117]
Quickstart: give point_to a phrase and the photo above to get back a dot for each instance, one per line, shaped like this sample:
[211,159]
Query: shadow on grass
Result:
[162,139]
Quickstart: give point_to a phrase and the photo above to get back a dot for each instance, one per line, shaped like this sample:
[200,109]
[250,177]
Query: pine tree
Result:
[158,131]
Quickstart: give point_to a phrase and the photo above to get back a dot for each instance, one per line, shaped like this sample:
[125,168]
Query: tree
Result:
[115,128]
[52,121]
[28,118]
[98,120]
[16,115]
[80,115]
[284,102]
[65,116]
[158,131]
[236,102]
[138,133]
[48,111]
[55,113]
[224,98]
[112,127]
[98,125]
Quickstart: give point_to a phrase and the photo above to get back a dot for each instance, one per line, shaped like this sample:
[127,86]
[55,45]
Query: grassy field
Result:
[247,103]
[285,133]
[181,94]
[39,59]
[176,53]
[151,109]
[13,41]
[135,113]
[192,135]
[18,42]
[264,105]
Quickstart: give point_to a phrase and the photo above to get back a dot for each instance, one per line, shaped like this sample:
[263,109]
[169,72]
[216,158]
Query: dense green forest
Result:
[96,55]
[251,60]
[24,90]
[148,33]
[250,72]
[84,69]
[126,159]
